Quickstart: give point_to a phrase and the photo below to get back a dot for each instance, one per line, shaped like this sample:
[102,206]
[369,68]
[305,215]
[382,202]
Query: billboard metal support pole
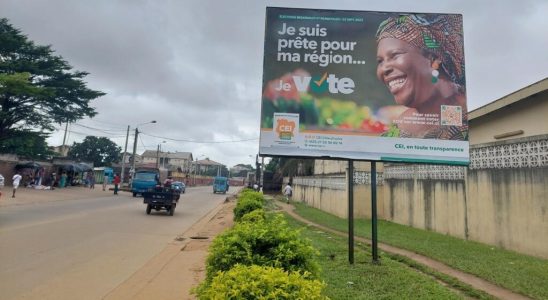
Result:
[351,211]
[374,245]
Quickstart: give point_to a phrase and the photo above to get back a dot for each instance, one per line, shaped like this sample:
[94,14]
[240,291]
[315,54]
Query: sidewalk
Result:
[25,196]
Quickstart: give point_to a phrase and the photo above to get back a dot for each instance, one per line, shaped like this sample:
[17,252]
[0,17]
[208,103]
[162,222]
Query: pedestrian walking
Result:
[288,191]
[105,181]
[16,179]
[91,181]
[63,180]
[116,182]
[1,185]
[53,178]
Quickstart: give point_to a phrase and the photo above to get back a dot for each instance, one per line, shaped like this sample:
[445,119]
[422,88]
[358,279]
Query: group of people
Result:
[90,178]
[116,180]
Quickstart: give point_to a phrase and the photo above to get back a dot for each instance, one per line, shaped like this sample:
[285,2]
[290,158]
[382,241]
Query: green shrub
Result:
[246,190]
[246,205]
[251,194]
[258,215]
[267,243]
[260,282]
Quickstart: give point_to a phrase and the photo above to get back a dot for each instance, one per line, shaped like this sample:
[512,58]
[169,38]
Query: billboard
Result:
[364,85]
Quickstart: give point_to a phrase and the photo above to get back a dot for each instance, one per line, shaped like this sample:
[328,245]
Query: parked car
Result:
[178,185]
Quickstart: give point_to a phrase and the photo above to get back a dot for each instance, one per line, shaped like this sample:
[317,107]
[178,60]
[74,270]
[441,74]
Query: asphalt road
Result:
[84,248]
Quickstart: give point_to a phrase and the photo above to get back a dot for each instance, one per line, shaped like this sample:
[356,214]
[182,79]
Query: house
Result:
[206,166]
[240,170]
[519,115]
[178,161]
[61,150]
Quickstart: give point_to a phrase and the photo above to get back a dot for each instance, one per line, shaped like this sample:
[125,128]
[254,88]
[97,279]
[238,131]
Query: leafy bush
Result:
[260,282]
[251,194]
[246,204]
[258,215]
[266,243]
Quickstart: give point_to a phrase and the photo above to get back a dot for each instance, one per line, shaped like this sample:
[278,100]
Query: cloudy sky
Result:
[195,66]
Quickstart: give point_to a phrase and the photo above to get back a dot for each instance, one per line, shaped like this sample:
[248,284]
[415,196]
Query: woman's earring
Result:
[435,72]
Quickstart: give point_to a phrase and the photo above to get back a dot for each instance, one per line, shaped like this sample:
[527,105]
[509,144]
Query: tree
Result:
[99,150]
[37,88]
[289,167]
[214,170]
[27,144]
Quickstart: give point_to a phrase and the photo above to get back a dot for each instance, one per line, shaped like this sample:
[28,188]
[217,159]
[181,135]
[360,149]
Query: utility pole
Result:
[194,167]
[124,158]
[134,150]
[158,157]
[64,140]
[65,136]
[135,144]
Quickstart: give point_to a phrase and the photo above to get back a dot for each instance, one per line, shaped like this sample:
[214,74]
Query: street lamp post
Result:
[135,142]
[158,155]
[195,167]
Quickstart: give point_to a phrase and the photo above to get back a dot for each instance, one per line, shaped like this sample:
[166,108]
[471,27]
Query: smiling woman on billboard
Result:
[420,59]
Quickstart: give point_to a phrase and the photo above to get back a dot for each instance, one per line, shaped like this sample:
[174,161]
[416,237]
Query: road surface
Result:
[84,248]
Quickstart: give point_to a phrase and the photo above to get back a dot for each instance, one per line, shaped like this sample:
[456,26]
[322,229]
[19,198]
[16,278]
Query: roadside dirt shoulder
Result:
[181,265]
[25,196]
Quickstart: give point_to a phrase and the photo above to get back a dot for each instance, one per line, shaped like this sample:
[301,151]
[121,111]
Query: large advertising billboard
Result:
[364,85]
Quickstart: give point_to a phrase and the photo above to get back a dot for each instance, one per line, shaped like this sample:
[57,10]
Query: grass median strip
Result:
[389,280]
[521,273]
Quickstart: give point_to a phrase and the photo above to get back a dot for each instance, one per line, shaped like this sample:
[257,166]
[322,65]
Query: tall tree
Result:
[99,150]
[37,87]
[27,144]
[288,166]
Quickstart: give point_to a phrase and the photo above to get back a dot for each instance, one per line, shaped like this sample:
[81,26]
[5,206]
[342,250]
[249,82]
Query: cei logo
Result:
[285,129]
[320,84]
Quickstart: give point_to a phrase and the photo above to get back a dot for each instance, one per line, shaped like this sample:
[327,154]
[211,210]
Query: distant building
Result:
[206,165]
[127,158]
[61,150]
[521,114]
[241,170]
[176,161]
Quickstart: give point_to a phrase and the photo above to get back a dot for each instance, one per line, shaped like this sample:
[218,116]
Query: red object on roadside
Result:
[116,179]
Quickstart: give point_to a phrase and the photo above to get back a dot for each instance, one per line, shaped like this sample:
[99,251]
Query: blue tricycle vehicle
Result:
[144,180]
[161,198]
[220,185]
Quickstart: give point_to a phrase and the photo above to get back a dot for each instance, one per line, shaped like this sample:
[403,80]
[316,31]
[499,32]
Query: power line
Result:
[101,130]
[200,142]
[106,133]
[104,122]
